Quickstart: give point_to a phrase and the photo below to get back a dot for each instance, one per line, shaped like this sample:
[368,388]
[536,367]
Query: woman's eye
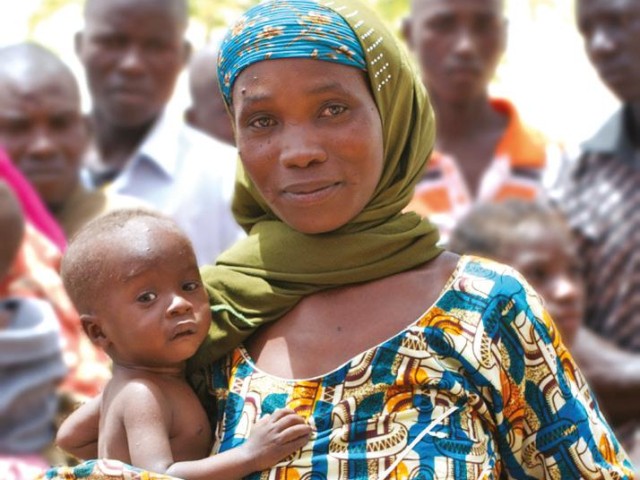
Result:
[190,286]
[333,110]
[147,297]
[262,122]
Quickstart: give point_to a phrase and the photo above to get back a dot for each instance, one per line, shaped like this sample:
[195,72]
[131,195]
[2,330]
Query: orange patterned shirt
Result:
[518,170]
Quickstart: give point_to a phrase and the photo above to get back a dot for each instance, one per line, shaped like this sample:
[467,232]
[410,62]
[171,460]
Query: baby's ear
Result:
[92,327]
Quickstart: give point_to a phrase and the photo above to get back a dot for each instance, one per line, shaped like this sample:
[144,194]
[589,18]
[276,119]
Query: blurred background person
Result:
[46,135]
[31,362]
[601,196]
[207,112]
[34,209]
[484,151]
[34,273]
[535,239]
[133,52]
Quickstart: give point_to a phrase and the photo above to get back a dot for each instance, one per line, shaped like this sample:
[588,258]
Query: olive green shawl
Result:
[263,276]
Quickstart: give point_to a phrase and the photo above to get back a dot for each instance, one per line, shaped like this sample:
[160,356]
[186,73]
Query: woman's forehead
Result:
[265,79]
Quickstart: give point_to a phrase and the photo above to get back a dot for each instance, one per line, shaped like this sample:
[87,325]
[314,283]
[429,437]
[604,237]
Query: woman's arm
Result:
[612,373]
[546,419]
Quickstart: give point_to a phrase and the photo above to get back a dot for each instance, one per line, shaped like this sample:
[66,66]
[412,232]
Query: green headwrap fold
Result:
[263,276]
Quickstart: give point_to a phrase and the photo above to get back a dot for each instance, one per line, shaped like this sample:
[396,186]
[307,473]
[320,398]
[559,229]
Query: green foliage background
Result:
[215,14]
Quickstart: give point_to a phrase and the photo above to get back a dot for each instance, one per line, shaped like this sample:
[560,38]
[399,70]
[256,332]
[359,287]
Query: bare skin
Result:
[325,330]
[153,316]
[313,148]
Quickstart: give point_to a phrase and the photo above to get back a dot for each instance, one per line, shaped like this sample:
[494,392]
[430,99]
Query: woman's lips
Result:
[310,192]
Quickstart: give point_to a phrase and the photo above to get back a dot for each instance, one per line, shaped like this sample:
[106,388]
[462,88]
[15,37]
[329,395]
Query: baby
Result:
[134,279]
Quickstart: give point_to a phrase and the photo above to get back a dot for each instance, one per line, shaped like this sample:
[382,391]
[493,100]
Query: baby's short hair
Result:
[84,264]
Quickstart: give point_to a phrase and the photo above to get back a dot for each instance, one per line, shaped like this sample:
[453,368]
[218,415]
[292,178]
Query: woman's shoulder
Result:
[499,278]
[470,272]
[489,289]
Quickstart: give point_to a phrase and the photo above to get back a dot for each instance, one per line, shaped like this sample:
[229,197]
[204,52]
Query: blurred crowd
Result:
[495,186]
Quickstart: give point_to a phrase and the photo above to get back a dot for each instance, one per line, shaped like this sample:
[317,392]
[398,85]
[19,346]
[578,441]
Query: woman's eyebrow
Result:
[256,97]
[326,87]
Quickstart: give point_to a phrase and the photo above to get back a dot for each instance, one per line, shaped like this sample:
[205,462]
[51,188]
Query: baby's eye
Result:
[147,297]
[333,110]
[190,286]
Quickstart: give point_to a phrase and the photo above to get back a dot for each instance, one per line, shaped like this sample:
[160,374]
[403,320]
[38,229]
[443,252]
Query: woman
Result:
[409,362]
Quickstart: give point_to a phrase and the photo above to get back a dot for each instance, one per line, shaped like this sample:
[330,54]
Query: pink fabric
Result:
[35,211]
[21,467]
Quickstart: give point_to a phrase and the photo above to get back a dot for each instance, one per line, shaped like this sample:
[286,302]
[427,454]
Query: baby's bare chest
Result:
[190,432]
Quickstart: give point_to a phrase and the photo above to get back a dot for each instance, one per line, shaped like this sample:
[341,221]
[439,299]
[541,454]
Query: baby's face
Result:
[155,311]
[548,259]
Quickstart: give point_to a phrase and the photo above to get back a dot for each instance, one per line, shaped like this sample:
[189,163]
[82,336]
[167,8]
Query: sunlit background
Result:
[545,70]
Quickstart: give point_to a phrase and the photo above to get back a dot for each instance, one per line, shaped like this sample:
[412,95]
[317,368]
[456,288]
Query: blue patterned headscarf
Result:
[286,29]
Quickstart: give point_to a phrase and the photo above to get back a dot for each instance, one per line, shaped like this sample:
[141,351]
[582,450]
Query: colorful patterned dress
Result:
[480,386]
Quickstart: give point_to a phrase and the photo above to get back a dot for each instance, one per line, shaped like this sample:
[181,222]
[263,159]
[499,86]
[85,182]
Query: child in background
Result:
[31,364]
[535,239]
[134,279]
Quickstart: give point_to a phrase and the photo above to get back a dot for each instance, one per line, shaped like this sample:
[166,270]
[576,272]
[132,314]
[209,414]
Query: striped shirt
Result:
[602,201]
[518,170]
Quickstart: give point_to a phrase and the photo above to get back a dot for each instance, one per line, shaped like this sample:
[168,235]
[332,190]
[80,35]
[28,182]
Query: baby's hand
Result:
[276,436]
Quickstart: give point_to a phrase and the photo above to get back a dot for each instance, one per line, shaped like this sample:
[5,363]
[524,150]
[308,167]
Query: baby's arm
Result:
[78,433]
[273,438]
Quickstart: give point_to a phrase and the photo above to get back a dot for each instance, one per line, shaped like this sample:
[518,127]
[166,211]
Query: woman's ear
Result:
[93,329]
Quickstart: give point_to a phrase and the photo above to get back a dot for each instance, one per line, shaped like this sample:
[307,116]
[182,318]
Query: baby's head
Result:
[12,226]
[133,276]
[533,238]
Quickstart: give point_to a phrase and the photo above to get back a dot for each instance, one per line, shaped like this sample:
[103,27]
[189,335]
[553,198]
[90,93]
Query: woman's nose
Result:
[300,147]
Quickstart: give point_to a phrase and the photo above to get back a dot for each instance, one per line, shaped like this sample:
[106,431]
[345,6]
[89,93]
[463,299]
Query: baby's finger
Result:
[300,432]
[281,413]
[288,420]
[263,420]
[297,443]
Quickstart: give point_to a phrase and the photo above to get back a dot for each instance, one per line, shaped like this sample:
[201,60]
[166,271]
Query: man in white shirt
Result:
[133,52]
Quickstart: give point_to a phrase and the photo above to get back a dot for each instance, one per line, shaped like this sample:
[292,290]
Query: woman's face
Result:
[310,138]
